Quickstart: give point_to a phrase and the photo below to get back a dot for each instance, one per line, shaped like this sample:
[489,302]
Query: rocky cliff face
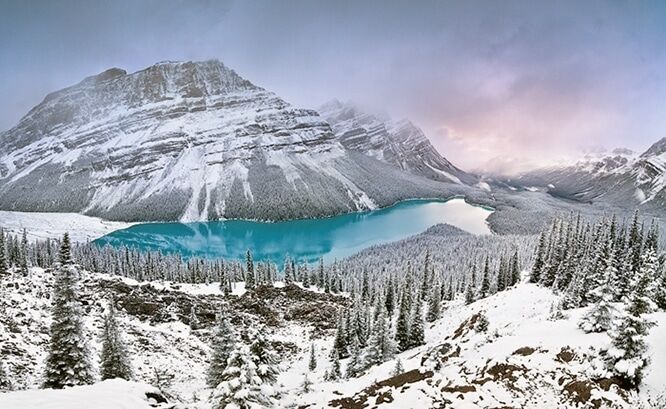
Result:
[399,143]
[186,141]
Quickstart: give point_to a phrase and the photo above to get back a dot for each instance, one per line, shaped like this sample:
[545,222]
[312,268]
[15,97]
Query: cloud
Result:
[485,79]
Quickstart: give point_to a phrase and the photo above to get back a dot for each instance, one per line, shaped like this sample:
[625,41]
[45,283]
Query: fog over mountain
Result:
[520,81]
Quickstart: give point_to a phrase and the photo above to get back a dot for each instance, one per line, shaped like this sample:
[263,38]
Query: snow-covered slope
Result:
[188,141]
[525,359]
[399,143]
[110,394]
[620,177]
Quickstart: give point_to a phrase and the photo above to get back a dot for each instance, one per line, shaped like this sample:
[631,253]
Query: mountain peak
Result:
[656,149]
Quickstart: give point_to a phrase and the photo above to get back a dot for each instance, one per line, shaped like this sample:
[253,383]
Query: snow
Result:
[109,394]
[53,225]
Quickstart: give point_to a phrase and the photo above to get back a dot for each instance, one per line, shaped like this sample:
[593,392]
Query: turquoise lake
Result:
[305,240]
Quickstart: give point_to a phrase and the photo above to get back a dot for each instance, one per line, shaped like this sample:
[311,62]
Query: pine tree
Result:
[65,251]
[628,356]
[223,344]
[312,365]
[482,323]
[469,295]
[485,281]
[67,363]
[389,297]
[114,359]
[434,304]
[340,343]
[416,328]
[514,275]
[355,365]
[23,261]
[3,255]
[306,386]
[398,368]
[250,278]
[265,359]
[402,334]
[602,314]
[539,261]
[194,320]
[241,385]
[381,346]
[5,382]
[335,373]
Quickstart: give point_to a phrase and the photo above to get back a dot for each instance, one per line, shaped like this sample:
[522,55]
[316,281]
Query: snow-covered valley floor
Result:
[53,225]
[525,359]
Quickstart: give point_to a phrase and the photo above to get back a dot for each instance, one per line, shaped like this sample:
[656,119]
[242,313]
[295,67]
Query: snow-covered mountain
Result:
[189,141]
[397,142]
[620,177]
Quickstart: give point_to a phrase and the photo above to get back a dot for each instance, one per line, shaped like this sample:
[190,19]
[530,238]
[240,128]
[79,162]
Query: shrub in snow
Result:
[482,323]
[398,368]
[5,383]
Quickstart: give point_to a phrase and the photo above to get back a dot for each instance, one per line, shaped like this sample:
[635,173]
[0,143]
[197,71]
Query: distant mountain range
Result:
[620,177]
[196,141]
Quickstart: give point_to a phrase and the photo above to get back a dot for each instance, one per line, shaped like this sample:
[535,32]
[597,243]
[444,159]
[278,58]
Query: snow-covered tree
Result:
[402,334]
[3,255]
[398,368]
[335,372]
[312,364]
[482,323]
[5,382]
[485,281]
[306,386]
[114,362]
[355,366]
[265,358]
[628,356]
[601,316]
[23,254]
[381,346]
[417,327]
[67,362]
[194,320]
[250,278]
[223,344]
[241,386]
[434,304]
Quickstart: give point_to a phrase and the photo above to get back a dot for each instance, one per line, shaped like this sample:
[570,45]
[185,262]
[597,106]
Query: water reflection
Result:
[306,240]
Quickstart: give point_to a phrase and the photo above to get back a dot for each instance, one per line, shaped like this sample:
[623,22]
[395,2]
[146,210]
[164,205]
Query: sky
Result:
[500,85]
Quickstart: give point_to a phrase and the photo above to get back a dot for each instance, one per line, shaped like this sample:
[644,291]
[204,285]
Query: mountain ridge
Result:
[190,141]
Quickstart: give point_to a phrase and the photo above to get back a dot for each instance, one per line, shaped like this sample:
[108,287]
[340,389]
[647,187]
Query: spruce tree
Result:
[250,278]
[65,251]
[601,316]
[416,328]
[23,254]
[434,304]
[67,363]
[114,359]
[469,295]
[5,382]
[3,255]
[223,344]
[241,385]
[402,334]
[312,364]
[629,356]
[340,343]
[485,281]
[265,359]
[381,346]
[355,365]
[539,261]
[398,368]
[335,373]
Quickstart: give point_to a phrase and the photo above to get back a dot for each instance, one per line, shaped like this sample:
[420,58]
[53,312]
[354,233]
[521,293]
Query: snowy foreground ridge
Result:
[524,359]
[109,394]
